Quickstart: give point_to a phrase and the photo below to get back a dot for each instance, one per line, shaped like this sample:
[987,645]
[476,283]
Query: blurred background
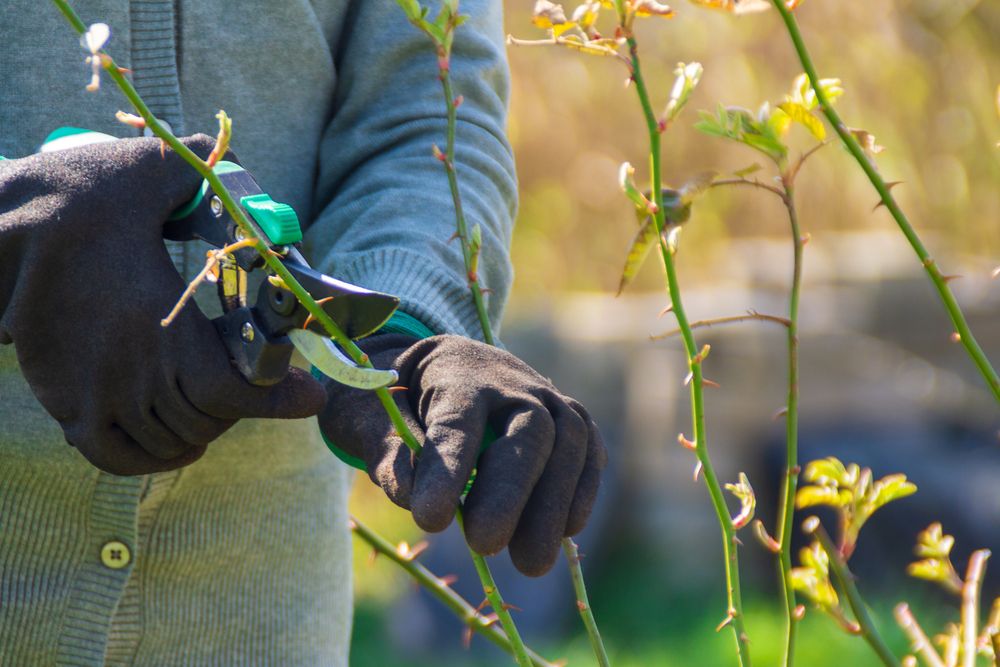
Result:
[881,383]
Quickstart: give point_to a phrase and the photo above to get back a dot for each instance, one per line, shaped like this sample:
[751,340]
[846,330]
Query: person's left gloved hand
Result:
[535,484]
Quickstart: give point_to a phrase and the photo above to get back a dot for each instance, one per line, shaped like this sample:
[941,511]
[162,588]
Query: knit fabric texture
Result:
[242,558]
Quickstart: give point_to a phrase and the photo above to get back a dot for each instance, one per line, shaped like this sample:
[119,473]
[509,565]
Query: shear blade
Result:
[324,355]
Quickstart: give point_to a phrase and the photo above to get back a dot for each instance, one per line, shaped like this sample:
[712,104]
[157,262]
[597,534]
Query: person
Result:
[196,519]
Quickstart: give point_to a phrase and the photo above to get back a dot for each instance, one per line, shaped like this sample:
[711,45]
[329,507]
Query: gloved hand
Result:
[85,279]
[535,484]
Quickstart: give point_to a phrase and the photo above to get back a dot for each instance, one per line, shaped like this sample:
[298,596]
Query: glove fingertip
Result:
[432,515]
[533,560]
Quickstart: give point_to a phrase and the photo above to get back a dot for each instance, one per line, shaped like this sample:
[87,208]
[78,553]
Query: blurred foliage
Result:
[920,75]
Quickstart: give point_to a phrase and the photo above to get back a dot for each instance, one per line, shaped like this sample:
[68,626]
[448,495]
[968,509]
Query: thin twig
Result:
[752,182]
[599,49]
[789,481]
[732,319]
[919,642]
[845,579]
[734,610]
[440,589]
[962,329]
[970,605]
[583,603]
[794,171]
[213,259]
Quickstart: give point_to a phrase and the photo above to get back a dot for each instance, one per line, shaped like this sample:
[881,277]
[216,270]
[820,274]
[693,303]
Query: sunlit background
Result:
[881,382]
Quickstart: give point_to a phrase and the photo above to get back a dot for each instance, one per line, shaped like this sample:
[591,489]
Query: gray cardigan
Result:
[244,557]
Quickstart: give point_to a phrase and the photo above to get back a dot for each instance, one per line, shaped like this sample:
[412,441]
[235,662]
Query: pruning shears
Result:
[260,335]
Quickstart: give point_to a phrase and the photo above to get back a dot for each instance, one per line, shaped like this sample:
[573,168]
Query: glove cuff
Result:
[399,323]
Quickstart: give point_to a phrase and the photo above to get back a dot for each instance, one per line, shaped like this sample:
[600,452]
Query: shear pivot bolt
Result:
[247,333]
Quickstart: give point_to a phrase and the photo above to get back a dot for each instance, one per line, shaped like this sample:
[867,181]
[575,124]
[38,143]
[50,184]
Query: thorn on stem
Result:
[697,471]
[781,412]
[581,606]
[438,155]
[670,308]
[688,378]
[799,612]
[131,120]
[730,615]
[955,337]
[685,443]
[396,389]
[510,607]
[948,279]
[711,383]
[448,579]
[805,239]
[458,101]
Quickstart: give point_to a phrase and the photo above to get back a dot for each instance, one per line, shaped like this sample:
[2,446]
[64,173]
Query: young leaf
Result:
[748,501]
[933,543]
[638,251]
[550,16]
[812,579]
[627,184]
[688,75]
[801,115]
[411,8]
[645,8]
[810,496]
[934,547]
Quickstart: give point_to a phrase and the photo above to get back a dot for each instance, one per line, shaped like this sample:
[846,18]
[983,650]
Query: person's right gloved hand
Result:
[85,279]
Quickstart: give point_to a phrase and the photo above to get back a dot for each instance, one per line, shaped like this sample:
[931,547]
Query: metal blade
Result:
[356,310]
[324,355]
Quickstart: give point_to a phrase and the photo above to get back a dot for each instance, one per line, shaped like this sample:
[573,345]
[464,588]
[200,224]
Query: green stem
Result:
[930,266]
[519,650]
[461,232]
[583,602]
[443,592]
[790,480]
[733,591]
[461,229]
[845,579]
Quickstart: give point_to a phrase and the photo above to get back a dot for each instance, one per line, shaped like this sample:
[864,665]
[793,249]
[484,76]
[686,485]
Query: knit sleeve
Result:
[383,213]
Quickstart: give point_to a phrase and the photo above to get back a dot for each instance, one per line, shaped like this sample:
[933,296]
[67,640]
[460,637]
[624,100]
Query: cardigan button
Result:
[115,555]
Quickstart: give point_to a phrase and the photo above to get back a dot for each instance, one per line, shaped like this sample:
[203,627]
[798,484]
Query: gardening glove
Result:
[535,484]
[85,279]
